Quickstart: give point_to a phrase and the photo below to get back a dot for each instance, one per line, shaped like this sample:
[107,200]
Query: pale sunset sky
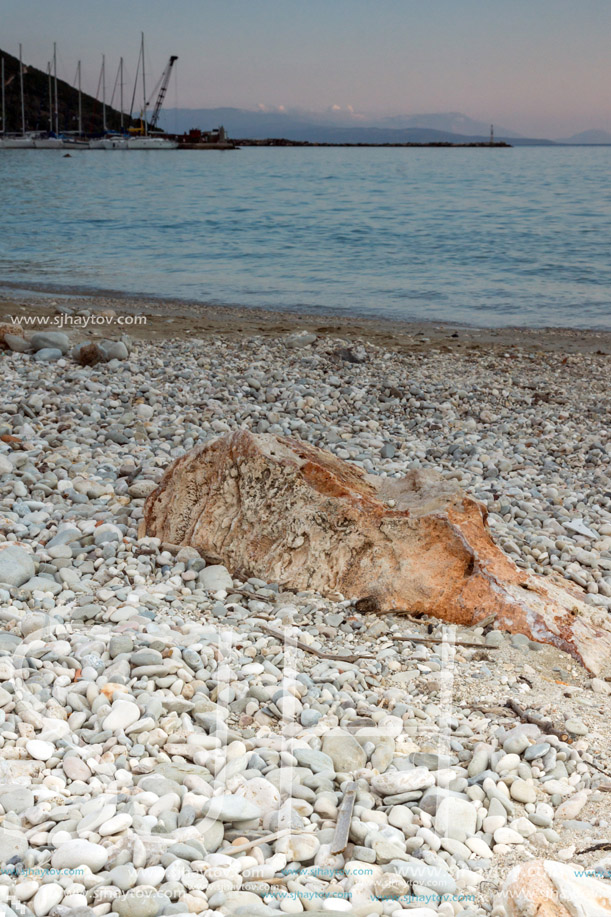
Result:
[540,67]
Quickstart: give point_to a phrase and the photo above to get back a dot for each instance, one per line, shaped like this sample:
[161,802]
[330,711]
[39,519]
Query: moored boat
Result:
[122,142]
[151,143]
[109,142]
[20,142]
[48,143]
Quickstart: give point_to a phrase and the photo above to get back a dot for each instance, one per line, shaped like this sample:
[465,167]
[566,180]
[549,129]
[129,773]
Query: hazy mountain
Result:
[335,126]
[454,122]
[586,137]
[238,122]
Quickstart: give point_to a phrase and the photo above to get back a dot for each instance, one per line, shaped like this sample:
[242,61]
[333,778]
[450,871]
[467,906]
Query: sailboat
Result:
[110,140]
[149,142]
[17,141]
[106,142]
[52,141]
[139,138]
[39,140]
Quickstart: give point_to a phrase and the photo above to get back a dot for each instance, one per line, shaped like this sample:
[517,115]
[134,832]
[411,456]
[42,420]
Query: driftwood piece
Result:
[546,726]
[252,595]
[490,711]
[299,644]
[130,475]
[265,839]
[344,818]
[416,638]
[601,845]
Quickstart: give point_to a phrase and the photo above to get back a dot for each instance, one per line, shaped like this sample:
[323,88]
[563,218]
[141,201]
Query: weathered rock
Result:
[215,578]
[455,818]
[6,466]
[47,340]
[288,512]
[78,852]
[16,343]
[113,350]
[12,328]
[13,843]
[231,809]
[573,806]
[46,898]
[551,889]
[48,354]
[344,750]
[122,715]
[145,901]
[300,339]
[395,782]
[16,565]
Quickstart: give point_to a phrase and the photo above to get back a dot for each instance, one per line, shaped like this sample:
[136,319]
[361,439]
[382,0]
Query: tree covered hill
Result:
[36,103]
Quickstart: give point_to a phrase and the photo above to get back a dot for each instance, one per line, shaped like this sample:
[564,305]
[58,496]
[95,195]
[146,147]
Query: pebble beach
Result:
[163,750]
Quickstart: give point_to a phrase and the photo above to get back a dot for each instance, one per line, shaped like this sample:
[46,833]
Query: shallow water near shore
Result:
[484,237]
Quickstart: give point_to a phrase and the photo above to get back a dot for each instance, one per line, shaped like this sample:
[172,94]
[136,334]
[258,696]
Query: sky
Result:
[540,67]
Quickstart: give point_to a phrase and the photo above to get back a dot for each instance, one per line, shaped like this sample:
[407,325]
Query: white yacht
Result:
[137,142]
[109,142]
[151,143]
[48,143]
[20,142]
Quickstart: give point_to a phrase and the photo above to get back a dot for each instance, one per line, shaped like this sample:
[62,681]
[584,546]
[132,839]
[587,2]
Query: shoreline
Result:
[180,318]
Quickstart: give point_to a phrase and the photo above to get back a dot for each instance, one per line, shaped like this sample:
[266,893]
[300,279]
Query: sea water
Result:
[490,236]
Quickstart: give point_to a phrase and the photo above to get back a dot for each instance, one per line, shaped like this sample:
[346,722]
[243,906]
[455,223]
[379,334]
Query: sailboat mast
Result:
[55,78]
[144,87]
[80,106]
[104,92]
[50,97]
[121,90]
[3,98]
[21,85]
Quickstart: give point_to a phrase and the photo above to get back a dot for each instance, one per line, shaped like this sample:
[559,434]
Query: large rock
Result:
[79,852]
[16,565]
[11,328]
[288,512]
[546,888]
[17,343]
[48,355]
[456,818]
[12,844]
[113,350]
[345,752]
[47,340]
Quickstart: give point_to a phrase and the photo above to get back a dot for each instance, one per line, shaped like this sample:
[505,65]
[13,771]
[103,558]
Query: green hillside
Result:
[36,97]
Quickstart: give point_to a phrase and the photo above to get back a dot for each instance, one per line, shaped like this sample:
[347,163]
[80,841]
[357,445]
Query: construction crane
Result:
[163,88]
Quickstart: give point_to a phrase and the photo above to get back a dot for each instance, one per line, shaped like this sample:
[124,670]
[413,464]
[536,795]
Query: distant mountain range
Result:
[589,138]
[338,126]
[453,122]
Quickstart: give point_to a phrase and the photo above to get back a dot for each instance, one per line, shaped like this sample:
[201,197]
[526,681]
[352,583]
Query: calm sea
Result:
[481,236]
